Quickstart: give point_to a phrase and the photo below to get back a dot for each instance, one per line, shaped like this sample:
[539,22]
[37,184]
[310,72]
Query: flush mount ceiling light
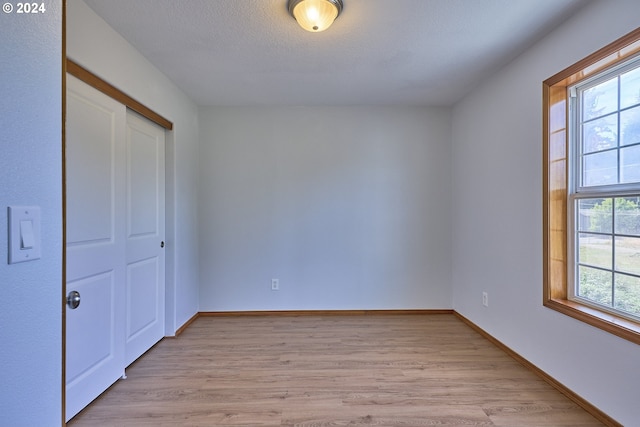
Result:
[315,15]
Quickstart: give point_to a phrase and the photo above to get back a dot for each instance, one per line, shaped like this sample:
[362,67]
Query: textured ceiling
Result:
[378,52]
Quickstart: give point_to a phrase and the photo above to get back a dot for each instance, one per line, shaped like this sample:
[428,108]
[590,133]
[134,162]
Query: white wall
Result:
[497,218]
[31,174]
[97,47]
[349,207]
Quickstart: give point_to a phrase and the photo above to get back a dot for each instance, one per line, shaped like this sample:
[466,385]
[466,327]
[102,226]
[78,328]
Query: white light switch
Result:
[24,233]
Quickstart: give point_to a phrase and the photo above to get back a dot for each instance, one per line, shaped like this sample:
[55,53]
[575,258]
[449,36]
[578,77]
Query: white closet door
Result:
[115,240]
[145,283]
[95,181]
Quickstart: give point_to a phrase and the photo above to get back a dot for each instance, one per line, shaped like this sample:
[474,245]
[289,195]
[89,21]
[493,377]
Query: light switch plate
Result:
[24,233]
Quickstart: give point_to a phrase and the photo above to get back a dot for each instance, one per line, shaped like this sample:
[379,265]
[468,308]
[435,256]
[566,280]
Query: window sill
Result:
[613,324]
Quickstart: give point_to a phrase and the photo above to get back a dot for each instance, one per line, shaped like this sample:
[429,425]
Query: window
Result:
[592,189]
[604,188]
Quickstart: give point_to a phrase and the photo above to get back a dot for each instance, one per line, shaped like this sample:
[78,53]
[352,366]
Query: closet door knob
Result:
[73,300]
[162,244]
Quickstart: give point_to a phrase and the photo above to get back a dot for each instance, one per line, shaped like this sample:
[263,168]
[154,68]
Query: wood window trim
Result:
[92,80]
[555,187]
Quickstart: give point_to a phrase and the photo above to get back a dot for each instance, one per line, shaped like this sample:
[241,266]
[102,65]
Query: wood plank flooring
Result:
[373,370]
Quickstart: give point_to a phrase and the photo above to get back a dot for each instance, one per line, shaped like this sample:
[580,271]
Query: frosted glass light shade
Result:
[315,15]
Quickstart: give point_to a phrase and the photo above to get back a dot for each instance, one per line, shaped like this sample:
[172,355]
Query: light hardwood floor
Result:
[382,370]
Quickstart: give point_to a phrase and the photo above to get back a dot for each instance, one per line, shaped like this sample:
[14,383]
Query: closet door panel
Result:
[95,243]
[145,144]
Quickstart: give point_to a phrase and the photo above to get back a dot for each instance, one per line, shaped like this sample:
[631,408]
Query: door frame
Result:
[76,70]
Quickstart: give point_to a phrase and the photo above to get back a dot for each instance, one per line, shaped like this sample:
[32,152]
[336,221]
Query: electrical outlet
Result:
[275,284]
[485,299]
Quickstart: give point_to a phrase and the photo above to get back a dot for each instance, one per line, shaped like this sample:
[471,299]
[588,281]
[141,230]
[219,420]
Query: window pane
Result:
[627,294]
[595,215]
[600,100]
[630,126]
[600,169]
[628,216]
[630,164]
[628,254]
[595,250]
[630,88]
[600,134]
[595,285]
